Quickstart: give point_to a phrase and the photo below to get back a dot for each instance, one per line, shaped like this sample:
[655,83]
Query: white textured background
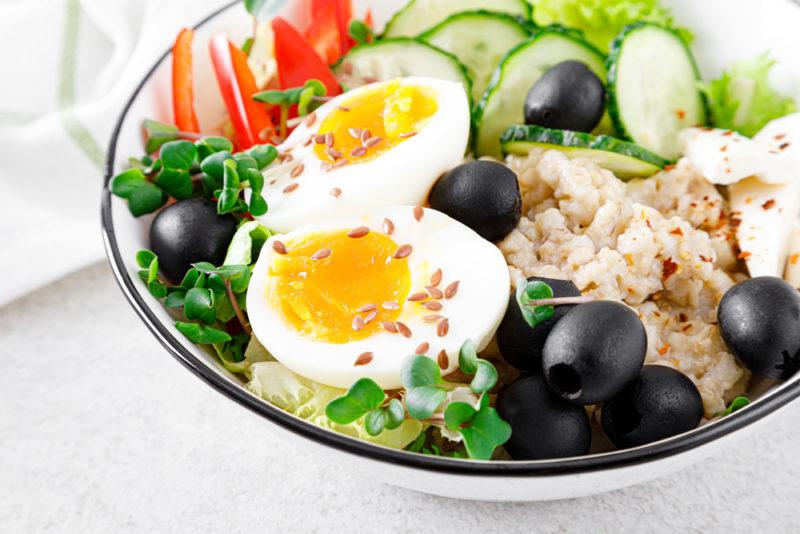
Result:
[102,431]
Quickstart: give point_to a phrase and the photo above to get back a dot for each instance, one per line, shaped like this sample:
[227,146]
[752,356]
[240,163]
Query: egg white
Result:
[404,175]
[438,242]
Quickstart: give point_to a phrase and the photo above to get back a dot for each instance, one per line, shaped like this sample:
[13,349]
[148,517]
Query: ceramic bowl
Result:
[726,30]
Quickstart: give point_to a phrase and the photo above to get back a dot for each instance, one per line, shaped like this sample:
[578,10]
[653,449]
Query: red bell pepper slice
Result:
[344,14]
[297,60]
[323,34]
[182,80]
[251,120]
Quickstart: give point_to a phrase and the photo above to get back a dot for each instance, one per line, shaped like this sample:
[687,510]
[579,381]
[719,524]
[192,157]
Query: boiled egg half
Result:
[354,296]
[379,145]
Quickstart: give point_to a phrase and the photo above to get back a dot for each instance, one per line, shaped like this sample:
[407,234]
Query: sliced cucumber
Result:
[418,16]
[652,88]
[626,160]
[502,103]
[394,58]
[479,39]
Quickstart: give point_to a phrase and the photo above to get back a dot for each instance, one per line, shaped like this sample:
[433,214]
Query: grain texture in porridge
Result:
[662,245]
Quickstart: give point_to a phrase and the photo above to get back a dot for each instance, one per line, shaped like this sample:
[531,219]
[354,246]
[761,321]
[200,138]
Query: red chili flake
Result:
[359,232]
[403,252]
[422,348]
[680,113]
[677,231]
[669,268]
[706,259]
[683,317]
[442,328]
[451,290]
[291,187]
[279,247]
[418,213]
[663,350]
[744,255]
[403,329]
[735,222]
[728,133]
[793,259]
[768,204]
[363,359]
[443,360]
[670,167]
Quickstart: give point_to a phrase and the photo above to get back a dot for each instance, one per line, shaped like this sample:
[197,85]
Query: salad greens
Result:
[743,100]
[601,20]
[428,398]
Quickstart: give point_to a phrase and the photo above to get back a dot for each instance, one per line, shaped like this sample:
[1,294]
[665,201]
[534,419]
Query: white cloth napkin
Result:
[67,67]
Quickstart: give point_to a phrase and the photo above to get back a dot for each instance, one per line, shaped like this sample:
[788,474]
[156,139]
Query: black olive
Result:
[661,402]
[483,195]
[568,97]
[594,351]
[521,345]
[190,231]
[542,424]
[760,322]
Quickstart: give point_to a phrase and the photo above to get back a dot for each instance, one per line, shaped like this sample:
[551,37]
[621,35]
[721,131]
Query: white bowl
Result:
[726,30]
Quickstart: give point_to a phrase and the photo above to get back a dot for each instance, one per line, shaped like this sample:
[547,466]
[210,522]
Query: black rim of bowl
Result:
[533,468]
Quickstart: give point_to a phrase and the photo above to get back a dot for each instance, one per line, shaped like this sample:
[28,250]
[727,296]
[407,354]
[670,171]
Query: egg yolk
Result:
[328,279]
[390,113]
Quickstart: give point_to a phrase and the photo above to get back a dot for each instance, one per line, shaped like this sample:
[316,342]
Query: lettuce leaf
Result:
[307,400]
[602,20]
[742,98]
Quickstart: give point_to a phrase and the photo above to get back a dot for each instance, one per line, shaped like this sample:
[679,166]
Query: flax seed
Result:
[291,187]
[359,232]
[358,151]
[407,135]
[388,227]
[416,297]
[297,171]
[335,192]
[358,323]
[443,360]
[422,348]
[433,318]
[366,308]
[403,329]
[370,316]
[451,290]
[334,153]
[390,305]
[279,247]
[434,292]
[355,133]
[321,254]
[329,139]
[432,305]
[418,213]
[436,277]
[389,326]
[311,119]
[363,359]
[442,328]
[372,141]
[320,139]
[403,252]
[365,135]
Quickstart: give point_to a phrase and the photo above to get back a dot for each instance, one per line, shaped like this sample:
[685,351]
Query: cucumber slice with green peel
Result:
[479,39]
[418,16]
[388,59]
[653,88]
[626,160]
[503,102]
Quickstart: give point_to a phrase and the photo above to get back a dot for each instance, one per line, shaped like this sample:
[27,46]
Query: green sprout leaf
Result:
[418,443]
[260,9]
[418,371]
[178,155]
[158,133]
[375,421]
[359,31]
[200,305]
[484,432]
[263,154]
[247,243]
[211,145]
[456,414]
[423,401]
[362,397]
[228,199]
[146,199]
[201,334]
[532,291]
[212,165]
[305,101]
[126,183]
[485,377]
[175,299]
[468,357]
[736,404]
[176,183]
[395,414]
[144,258]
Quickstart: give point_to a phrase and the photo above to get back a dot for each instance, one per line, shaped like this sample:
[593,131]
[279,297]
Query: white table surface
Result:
[102,431]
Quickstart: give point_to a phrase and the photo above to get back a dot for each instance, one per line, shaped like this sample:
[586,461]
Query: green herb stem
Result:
[237,309]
